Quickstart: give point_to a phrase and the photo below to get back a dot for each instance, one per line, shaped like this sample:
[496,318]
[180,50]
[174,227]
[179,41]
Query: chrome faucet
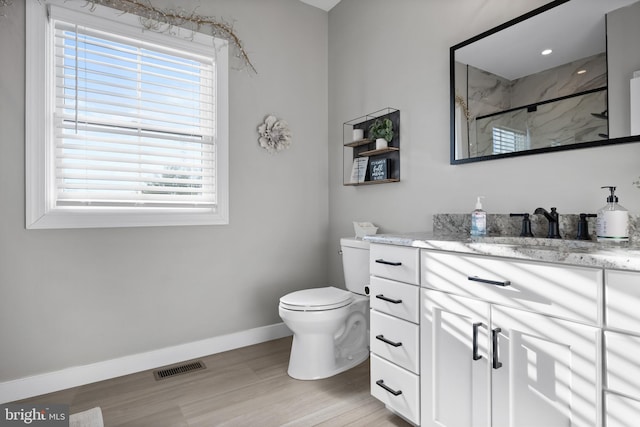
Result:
[552,217]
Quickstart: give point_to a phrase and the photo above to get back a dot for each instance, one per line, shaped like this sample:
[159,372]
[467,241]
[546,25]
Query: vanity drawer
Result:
[402,394]
[620,410]
[395,340]
[395,262]
[622,297]
[564,291]
[395,298]
[621,361]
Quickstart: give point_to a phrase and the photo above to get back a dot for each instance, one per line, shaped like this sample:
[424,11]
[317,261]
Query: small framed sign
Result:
[359,169]
[379,170]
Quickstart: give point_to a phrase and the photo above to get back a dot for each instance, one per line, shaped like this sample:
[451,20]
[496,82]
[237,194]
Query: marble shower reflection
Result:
[559,106]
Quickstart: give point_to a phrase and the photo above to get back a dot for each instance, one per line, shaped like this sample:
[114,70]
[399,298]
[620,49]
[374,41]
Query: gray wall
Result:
[74,297]
[396,54]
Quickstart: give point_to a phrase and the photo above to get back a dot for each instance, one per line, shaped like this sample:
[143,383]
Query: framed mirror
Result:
[564,76]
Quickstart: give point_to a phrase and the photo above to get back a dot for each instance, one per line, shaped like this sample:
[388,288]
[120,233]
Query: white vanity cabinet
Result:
[622,348]
[394,327]
[508,343]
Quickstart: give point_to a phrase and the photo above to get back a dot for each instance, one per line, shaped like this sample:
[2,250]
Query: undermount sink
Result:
[535,241]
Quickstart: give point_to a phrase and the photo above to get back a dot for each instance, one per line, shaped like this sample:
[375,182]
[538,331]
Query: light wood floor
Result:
[244,387]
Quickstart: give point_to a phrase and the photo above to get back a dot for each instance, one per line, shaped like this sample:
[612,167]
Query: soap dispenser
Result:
[612,223]
[478,219]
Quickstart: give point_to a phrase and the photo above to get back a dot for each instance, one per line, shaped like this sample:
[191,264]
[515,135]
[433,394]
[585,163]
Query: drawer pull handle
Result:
[384,340]
[494,338]
[476,356]
[389,389]
[392,301]
[490,282]
[393,263]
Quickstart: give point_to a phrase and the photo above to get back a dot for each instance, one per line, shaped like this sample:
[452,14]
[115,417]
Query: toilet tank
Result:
[355,264]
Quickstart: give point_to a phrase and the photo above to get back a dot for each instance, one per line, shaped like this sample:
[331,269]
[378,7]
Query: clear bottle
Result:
[612,223]
[478,219]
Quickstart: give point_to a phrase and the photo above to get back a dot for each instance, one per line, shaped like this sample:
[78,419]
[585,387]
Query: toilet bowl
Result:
[330,326]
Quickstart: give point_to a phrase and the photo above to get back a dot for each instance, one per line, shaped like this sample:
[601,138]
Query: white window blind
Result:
[134,122]
[507,140]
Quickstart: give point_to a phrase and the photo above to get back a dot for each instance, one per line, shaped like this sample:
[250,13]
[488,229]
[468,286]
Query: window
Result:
[125,127]
[507,140]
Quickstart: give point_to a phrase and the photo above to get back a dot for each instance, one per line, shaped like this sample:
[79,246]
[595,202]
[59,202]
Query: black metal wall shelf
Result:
[384,161]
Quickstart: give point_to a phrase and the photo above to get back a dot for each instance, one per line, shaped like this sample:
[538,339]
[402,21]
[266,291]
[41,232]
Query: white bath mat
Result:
[88,418]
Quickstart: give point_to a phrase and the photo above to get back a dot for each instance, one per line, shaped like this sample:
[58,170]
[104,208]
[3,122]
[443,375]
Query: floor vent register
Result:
[172,371]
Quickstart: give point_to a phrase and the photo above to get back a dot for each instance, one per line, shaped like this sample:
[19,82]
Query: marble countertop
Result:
[563,251]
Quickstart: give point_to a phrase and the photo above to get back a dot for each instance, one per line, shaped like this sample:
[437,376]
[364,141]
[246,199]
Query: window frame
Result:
[41,210]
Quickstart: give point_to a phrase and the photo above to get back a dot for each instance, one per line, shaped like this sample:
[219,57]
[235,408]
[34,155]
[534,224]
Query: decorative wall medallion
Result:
[274,134]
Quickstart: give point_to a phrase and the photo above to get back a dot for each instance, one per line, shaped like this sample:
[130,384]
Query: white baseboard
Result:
[79,375]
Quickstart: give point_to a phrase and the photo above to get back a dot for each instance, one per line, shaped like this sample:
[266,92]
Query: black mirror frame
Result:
[452,94]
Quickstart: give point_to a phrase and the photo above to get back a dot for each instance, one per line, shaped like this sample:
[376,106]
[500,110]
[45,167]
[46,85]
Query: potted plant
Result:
[382,131]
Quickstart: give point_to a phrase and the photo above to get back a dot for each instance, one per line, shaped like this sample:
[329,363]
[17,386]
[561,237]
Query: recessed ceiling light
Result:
[581,71]
[546,52]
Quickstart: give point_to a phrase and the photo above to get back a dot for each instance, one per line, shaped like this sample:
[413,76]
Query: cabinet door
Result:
[454,379]
[621,357]
[549,372]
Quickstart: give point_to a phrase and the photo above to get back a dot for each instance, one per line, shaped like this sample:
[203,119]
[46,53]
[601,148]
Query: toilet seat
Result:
[316,299]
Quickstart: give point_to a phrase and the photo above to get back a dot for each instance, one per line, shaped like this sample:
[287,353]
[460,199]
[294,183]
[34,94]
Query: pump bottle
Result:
[612,223]
[478,220]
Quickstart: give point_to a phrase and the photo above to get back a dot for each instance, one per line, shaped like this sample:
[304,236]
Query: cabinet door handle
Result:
[490,282]
[384,340]
[392,301]
[476,356]
[494,338]
[393,263]
[389,389]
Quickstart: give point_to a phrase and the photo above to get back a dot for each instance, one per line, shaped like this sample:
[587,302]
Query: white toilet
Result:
[331,326]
